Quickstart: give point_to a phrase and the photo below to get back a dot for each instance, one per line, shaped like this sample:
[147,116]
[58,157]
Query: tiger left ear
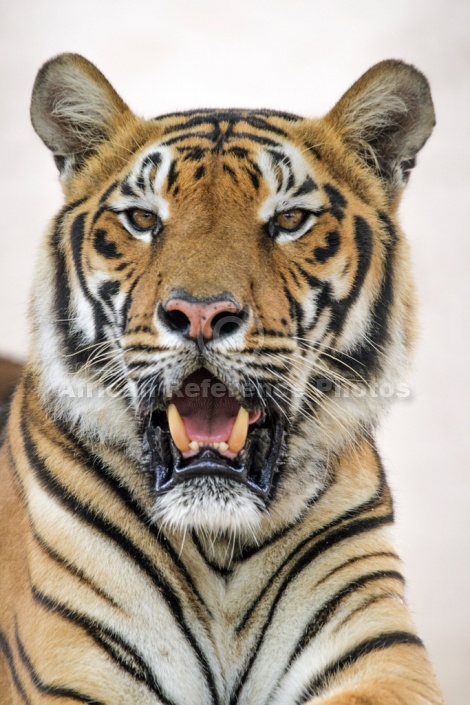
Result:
[74,109]
[386,117]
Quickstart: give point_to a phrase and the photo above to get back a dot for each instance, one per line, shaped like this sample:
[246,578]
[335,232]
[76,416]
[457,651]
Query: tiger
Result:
[193,507]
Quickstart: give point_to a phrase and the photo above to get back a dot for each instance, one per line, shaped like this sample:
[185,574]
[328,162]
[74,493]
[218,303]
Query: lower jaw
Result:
[212,506]
[255,468]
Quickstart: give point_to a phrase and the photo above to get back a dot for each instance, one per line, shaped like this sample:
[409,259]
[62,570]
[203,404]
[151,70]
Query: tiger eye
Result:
[290,220]
[141,219]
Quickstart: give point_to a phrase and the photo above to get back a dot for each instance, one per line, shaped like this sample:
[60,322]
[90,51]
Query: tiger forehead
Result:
[246,148]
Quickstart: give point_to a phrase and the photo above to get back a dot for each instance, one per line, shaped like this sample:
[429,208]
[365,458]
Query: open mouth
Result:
[205,431]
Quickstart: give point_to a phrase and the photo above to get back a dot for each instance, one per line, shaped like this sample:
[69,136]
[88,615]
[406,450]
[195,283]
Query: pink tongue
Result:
[207,410]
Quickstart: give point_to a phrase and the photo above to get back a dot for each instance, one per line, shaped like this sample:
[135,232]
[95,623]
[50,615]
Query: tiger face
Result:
[224,290]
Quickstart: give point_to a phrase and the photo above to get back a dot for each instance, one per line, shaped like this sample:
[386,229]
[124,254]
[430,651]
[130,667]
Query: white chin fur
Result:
[211,505]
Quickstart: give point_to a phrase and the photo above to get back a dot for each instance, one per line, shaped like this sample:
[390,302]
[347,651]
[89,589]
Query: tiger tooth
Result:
[177,429]
[223,446]
[239,431]
[194,445]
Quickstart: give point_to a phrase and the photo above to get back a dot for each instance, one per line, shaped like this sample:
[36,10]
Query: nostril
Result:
[175,320]
[226,323]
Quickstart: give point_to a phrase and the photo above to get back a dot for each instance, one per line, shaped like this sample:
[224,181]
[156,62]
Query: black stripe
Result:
[127,190]
[295,309]
[193,154]
[239,152]
[232,173]
[78,451]
[337,201]
[327,611]
[378,643]
[364,247]
[232,116]
[351,513]
[109,191]
[322,254]
[311,280]
[291,117]
[72,568]
[102,524]
[113,644]
[62,294]
[342,534]
[348,531]
[366,357]
[7,652]
[128,300]
[56,691]
[105,247]
[307,186]
[77,235]
[172,175]
[352,528]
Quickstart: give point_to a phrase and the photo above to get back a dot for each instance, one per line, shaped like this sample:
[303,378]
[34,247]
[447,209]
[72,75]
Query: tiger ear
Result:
[74,109]
[386,117]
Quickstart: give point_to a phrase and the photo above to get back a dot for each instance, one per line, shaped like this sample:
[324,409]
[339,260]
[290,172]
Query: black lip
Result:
[255,466]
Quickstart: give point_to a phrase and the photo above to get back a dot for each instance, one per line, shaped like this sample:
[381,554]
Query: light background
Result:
[299,56]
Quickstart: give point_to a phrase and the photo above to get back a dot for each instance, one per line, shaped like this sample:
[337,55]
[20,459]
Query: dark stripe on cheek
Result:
[364,246]
[337,201]
[77,233]
[199,173]
[368,355]
[108,290]
[333,240]
[295,311]
[105,247]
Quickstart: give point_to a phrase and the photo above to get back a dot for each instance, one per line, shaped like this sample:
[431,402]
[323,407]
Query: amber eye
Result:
[290,220]
[142,220]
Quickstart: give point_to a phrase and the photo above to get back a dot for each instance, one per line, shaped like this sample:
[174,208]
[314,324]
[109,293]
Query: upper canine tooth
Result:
[239,431]
[177,429]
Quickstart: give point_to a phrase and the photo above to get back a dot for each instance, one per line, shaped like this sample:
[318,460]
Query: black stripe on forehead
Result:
[258,118]
[225,126]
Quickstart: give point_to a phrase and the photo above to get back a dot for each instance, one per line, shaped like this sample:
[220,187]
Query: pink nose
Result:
[196,319]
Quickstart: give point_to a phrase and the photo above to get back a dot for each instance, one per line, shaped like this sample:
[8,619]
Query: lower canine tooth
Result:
[239,431]
[177,429]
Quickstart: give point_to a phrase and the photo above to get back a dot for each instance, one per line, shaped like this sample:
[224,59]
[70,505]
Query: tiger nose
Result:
[196,319]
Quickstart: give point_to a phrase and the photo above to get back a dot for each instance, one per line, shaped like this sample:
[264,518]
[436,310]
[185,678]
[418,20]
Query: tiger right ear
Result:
[74,109]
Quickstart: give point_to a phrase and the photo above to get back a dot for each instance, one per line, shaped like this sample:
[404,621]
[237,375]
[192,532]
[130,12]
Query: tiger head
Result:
[225,291]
